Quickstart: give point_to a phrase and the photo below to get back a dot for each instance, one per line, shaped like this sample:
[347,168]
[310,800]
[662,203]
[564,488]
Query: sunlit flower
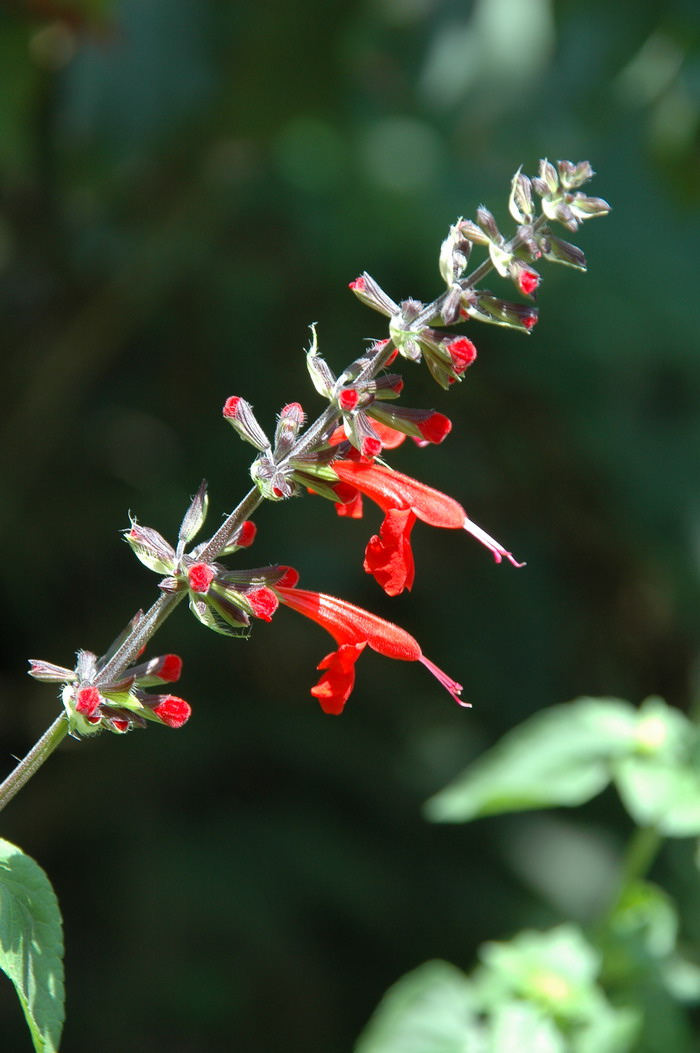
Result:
[353,629]
[388,556]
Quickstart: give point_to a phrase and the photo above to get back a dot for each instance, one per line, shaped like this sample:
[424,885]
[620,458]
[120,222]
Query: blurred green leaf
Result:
[660,783]
[519,1025]
[555,970]
[31,944]
[430,1010]
[558,757]
[537,993]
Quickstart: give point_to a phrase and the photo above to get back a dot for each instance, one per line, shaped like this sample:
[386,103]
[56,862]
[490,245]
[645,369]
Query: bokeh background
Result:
[186,186]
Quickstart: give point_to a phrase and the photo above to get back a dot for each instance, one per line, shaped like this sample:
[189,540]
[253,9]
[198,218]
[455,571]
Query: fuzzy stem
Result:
[39,752]
[243,511]
[138,637]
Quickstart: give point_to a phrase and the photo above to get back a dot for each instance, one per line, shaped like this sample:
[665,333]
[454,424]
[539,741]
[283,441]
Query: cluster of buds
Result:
[361,403]
[221,599]
[279,472]
[93,704]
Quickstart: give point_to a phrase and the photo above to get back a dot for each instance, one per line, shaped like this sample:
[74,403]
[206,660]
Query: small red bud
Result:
[358,285]
[528,282]
[371,447]
[530,320]
[264,603]
[436,427]
[294,410]
[173,711]
[462,352]
[171,668]
[200,577]
[246,535]
[231,405]
[87,700]
[348,399]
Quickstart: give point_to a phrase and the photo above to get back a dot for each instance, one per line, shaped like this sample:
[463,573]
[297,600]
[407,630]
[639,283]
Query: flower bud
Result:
[289,422]
[367,290]
[520,203]
[454,254]
[489,308]
[240,414]
[488,224]
[574,176]
[200,577]
[194,516]
[559,251]
[151,548]
[172,711]
[525,277]
[242,537]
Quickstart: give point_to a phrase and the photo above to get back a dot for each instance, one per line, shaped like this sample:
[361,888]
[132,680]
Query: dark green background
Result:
[186,185]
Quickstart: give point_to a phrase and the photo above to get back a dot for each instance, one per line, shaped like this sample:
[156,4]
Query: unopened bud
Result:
[520,203]
[240,414]
[173,711]
[454,254]
[194,516]
[200,577]
[560,251]
[289,422]
[525,277]
[367,290]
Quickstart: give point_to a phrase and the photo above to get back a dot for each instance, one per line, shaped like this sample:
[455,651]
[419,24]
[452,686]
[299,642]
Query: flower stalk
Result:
[340,449]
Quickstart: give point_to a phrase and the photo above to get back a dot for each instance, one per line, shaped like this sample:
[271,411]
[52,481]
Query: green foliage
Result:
[624,985]
[568,754]
[31,944]
[537,994]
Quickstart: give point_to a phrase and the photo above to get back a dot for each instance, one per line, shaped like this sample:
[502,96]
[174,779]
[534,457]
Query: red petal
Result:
[391,438]
[336,684]
[389,558]
[350,503]
[391,489]
[348,624]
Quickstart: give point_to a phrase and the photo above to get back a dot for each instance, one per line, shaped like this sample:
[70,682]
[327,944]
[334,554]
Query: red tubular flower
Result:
[353,629]
[388,556]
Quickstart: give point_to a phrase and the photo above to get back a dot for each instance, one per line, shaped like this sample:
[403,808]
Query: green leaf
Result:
[517,1025]
[561,756]
[31,944]
[554,970]
[430,1010]
[660,782]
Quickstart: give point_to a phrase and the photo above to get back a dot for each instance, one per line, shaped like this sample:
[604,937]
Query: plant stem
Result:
[640,852]
[39,752]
